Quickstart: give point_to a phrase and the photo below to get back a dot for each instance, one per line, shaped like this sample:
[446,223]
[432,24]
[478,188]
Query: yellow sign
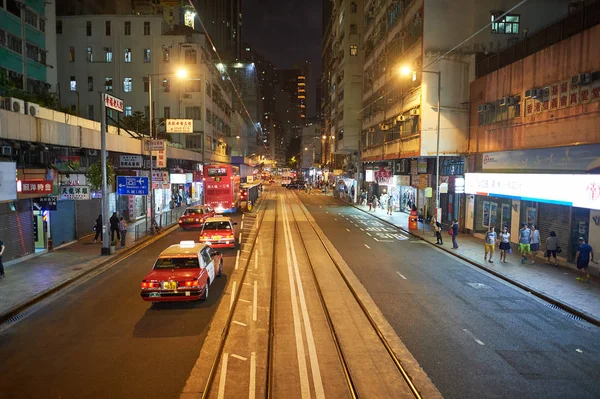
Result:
[428,192]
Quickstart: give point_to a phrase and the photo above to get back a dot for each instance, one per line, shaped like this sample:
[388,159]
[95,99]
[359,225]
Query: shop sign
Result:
[74,192]
[8,181]
[459,185]
[180,125]
[35,186]
[337,172]
[130,161]
[565,189]
[154,144]
[189,177]
[45,203]
[423,181]
[113,102]
[401,167]
[402,180]
[428,192]
[67,163]
[197,176]
[249,179]
[383,175]
[177,178]
[422,165]
[443,188]
[160,176]
[580,158]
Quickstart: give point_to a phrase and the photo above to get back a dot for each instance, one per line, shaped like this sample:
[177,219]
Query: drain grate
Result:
[583,323]
[15,318]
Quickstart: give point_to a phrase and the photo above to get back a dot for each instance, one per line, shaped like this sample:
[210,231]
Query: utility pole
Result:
[105,229]
[150,149]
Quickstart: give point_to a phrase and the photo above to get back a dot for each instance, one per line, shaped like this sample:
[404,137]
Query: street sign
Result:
[132,185]
[130,161]
[45,203]
[154,145]
[113,102]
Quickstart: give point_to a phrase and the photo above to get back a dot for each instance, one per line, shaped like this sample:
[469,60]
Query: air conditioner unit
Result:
[481,108]
[6,151]
[92,153]
[581,79]
[15,105]
[489,107]
[32,109]
[531,93]
[401,118]
[414,112]
[537,93]
[371,130]
[511,101]
[546,94]
[502,102]
[384,127]
[594,76]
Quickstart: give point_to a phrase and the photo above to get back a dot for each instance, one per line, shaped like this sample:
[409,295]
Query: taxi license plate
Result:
[154,294]
[190,219]
[169,285]
[216,238]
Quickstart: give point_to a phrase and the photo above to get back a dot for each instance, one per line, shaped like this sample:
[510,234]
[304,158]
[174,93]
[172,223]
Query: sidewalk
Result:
[555,284]
[30,280]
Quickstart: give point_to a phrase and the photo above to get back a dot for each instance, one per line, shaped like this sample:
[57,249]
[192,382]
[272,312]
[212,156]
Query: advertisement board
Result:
[35,186]
[177,178]
[180,125]
[74,192]
[113,102]
[130,161]
[8,181]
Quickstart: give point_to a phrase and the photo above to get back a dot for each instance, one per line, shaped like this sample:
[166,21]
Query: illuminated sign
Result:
[213,172]
[113,102]
[180,125]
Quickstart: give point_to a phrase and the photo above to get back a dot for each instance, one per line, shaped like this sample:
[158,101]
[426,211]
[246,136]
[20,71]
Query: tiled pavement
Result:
[556,283]
[29,279]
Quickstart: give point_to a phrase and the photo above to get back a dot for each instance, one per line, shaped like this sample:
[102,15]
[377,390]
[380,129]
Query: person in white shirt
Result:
[490,242]
[504,237]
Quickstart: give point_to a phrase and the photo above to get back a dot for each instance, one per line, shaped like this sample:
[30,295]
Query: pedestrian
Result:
[123,230]
[504,244]
[454,232]
[552,248]
[490,244]
[585,254]
[390,204]
[2,248]
[524,242]
[437,227]
[370,201]
[114,227]
[98,228]
[535,242]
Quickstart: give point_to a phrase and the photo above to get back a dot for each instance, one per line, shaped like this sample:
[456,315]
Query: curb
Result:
[563,306]
[15,310]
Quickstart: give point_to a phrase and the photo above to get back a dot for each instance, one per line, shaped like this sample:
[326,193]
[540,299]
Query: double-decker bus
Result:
[222,187]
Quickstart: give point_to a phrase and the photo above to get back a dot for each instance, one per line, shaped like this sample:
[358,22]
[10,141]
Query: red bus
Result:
[222,187]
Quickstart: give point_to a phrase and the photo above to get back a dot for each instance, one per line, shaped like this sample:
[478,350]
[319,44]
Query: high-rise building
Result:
[223,22]
[27,47]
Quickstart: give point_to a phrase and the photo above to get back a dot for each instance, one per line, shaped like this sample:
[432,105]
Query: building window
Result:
[353,29]
[167,113]
[353,50]
[108,54]
[88,28]
[127,28]
[128,111]
[31,18]
[353,7]
[208,116]
[190,56]
[71,54]
[43,25]
[194,85]
[509,24]
[59,27]
[90,55]
[146,28]
[166,83]
[146,55]
[14,7]
[193,113]
[90,83]
[127,85]
[91,112]
[15,44]
[73,84]
[107,28]
[166,55]
[108,85]
[32,52]
[127,55]
[146,84]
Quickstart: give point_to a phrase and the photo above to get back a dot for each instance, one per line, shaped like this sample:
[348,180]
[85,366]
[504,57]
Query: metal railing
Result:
[164,220]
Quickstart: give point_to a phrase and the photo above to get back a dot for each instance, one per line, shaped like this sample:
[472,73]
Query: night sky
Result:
[286,32]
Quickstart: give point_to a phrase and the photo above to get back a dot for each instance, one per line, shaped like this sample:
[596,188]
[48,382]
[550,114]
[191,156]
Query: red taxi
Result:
[218,232]
[194,216]
[182,272]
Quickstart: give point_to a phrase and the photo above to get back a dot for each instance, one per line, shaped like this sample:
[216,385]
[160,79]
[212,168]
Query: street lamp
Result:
[181,74]
[405,70]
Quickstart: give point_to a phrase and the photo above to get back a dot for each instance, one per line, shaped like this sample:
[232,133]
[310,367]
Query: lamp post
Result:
[407,71]
[181,74]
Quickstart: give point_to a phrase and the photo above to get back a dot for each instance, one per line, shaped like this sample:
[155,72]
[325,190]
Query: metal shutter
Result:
[87,212]
[16,229]
[62,222]
[555,218]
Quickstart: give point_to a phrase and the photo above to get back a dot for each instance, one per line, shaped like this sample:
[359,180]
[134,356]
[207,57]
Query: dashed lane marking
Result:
[473,336]
[401,275]
[239,323]
[232,294]
[348,230]
[223,379]
[367,246]
[239,357]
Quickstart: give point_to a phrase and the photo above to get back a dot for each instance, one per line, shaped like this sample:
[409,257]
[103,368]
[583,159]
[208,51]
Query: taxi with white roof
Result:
[218,232]
[182,272]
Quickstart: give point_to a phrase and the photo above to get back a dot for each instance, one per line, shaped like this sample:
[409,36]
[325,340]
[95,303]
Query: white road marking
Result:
[401,275]
[255,302]
[320,206]
[326,211]
[248,284]
[369,234]
[382,240]
[367,246]
[362,229]
[232,295]
[256,261]
[242,225]
[243,216]
[240,239]
[239,357]
[473,336]
[237,259]
[348,230]
[239,323]
[252,389]
[221,393]
[244,300]
[335,219]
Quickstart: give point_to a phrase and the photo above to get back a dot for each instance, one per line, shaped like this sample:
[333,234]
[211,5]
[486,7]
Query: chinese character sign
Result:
[35,187]
[180,125]
[74,192]
[130,161]
[113,102]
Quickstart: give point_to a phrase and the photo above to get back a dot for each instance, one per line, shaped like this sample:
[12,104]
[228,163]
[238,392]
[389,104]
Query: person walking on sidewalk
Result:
[437,227]
[490,244]
[123,230]
[585,254]
[98,228]
[524,242]
[114,227]
[454,232]
[535,242]
[2,248]
[551,248]
[370,201]
[504,243]
[390,204]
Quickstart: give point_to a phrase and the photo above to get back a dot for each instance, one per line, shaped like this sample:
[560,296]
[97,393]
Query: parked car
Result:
[218,232]
[182,272]
[194,216]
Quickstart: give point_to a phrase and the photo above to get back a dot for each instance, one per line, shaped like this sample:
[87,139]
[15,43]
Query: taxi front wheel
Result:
[205,295]
[220,273]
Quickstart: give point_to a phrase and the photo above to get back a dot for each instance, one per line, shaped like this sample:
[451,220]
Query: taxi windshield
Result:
[177,263]
[217,226]
[193,212]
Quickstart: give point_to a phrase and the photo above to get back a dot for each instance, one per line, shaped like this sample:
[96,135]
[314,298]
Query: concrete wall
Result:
[571,124]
